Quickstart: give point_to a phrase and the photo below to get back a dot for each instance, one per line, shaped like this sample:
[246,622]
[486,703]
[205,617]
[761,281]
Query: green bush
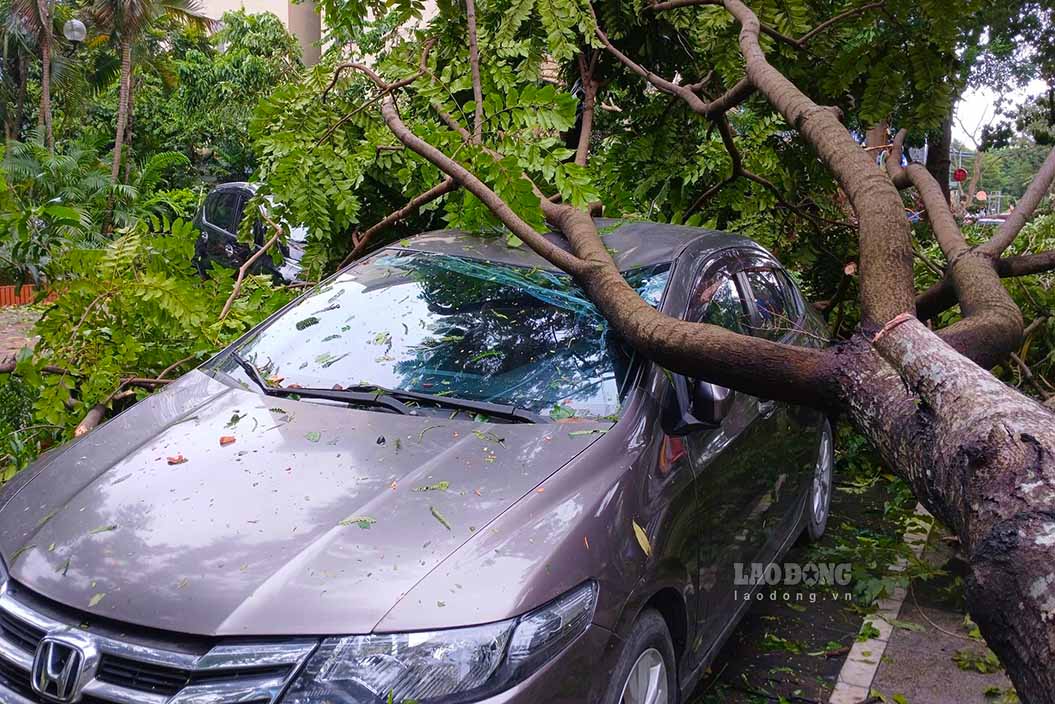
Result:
[134,308]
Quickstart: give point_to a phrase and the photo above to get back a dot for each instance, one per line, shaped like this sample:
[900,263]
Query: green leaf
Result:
[363,522]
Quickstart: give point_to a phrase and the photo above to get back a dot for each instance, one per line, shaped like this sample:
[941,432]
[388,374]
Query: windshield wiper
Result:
[498,410]
[354,396]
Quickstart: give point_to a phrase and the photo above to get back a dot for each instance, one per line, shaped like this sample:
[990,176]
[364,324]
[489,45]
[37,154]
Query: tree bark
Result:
[474,63]
[939,142]
[44,9]
[122,108]
[981,457]
[878,135]
[20,105]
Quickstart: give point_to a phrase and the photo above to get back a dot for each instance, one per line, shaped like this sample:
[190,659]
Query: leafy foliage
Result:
[132,309]
[50,203]
[199,94]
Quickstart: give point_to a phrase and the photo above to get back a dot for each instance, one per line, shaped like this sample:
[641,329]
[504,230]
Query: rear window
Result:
[221,210]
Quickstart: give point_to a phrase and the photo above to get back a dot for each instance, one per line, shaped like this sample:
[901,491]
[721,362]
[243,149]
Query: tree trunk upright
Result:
[20,101]
[44,9]
[938,162]
[878,135]
[122,108]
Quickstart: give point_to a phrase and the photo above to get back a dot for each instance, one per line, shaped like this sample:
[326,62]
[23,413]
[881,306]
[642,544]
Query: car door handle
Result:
[766,408]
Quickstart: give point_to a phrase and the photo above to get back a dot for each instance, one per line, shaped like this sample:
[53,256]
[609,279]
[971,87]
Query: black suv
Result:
[219,220]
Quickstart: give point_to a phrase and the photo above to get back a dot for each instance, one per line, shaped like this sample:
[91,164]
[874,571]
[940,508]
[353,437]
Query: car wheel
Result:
[645,672]
[818,504]
[202,266]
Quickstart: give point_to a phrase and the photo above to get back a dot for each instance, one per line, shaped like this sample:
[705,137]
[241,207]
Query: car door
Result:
[778,312]
[220,217]
[734,463]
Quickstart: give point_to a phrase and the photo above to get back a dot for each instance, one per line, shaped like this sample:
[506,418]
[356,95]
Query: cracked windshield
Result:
[450,326]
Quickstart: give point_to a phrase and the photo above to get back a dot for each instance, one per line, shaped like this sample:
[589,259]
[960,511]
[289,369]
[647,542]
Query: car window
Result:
[221,210]
[439,324]
[796,305]
[719,303]
[775,303]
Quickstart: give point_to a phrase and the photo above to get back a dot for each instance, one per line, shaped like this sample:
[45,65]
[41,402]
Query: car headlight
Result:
[442,667]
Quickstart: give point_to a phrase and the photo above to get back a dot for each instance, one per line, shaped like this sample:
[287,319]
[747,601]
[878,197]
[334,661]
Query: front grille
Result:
[142,676]
[16,680]
[22,634]
[129,670]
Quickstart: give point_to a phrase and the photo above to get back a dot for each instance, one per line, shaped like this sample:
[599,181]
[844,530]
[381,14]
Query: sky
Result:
[976,109]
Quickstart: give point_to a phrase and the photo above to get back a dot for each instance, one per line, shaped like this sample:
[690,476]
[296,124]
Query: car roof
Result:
[236,186]
[632,243]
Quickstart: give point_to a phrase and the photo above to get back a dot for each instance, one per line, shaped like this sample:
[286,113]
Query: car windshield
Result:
[450,326]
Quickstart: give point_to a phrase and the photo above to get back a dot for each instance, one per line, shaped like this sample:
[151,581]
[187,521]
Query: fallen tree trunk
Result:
[981,457]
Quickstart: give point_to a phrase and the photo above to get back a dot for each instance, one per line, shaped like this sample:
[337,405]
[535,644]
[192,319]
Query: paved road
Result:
[16,323]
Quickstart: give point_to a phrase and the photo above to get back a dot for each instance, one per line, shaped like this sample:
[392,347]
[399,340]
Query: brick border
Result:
[17,296]
[854,683]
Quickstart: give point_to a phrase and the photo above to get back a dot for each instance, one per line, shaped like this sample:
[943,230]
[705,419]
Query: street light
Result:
[74,30]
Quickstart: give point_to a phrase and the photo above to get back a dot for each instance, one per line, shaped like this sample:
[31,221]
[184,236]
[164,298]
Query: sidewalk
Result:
[929,637]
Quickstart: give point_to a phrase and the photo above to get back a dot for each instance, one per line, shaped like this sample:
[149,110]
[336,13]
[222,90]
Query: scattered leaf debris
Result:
[642,539]
[439,517]
[176,459]
[18,553]
[580,433]
[363,522]
[438,486]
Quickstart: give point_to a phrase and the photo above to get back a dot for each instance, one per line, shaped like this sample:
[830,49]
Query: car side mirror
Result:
[694,406]
[710,402]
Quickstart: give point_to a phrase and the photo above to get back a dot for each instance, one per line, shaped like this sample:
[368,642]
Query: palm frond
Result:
[156,166]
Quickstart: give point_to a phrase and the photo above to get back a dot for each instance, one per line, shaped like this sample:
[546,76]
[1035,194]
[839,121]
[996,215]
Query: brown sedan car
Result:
[437,477]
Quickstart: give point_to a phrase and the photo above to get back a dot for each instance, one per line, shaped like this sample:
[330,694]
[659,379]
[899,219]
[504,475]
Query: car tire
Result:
[819,499]
[202,267]
[646,666]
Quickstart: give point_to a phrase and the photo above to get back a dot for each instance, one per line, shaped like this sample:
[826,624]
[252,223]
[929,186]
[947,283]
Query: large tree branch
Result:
[799,43]
[1027,204]
[363,240]
[474,64]
[941,296]
[754,365]
[747,363]
[992,324]
[947,233]
[885,238]
[589,87]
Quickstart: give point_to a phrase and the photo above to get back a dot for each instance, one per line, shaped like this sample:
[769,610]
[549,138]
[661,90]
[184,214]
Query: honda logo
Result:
[58,668]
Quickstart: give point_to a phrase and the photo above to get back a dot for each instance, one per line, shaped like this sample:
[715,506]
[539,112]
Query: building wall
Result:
[301,19]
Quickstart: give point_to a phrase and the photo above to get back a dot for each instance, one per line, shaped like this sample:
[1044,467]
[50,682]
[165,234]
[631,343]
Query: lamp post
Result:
[74,30]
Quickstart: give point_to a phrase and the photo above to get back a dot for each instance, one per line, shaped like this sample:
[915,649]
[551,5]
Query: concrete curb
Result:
[855,678]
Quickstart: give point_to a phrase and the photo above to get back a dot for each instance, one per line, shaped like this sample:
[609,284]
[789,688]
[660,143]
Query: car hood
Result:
[315,519]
